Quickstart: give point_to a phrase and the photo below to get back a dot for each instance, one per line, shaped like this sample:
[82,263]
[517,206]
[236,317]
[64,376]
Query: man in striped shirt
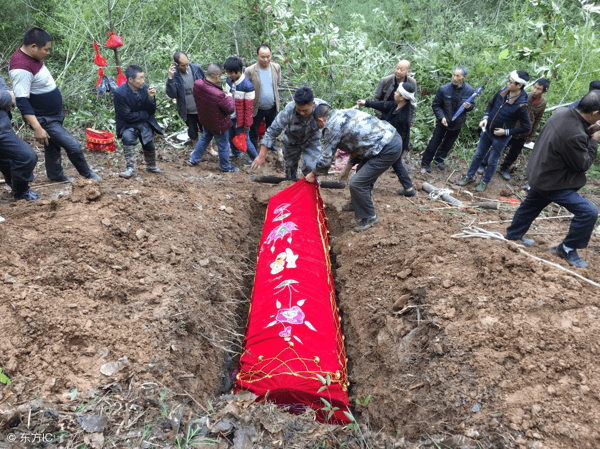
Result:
[40,102]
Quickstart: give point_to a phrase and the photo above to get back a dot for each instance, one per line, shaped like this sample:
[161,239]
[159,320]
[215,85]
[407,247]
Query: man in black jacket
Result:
[447,100]
[565,149]
[180,84]
[135,106]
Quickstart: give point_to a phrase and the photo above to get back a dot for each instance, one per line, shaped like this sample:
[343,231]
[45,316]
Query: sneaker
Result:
[190,163]
[441,165]
[505,174]
[154,169]
[481,187]
[572,257]
[348,207]
[63,179]
[27,195]
[525,241]
[464,181]
[94,176]
[213,152]
[425,169]
[480,170]
[409,192]
[231,170]
[366,223]
[526,187]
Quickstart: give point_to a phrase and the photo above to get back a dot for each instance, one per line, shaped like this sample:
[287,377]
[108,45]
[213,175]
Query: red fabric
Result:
[214,106]
[120,78]
[99,60]
[293,331]
[100,75]
[261,130]
[240,142]
[114,41]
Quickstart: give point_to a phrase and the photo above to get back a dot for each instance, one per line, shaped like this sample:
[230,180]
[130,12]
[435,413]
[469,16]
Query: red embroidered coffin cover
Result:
[293,331]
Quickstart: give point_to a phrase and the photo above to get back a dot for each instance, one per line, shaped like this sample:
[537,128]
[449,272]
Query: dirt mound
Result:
[456,341]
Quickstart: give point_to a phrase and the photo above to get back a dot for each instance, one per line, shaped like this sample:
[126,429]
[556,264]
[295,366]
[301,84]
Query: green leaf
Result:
[330,414]
[326,403]
[4,378]
[503,54]
[322,379]
[74,394]
[321,389]
[367,399]
[349,416]
[328,380]
[358,401]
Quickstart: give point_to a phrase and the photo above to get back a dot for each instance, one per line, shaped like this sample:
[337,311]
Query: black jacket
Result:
[398,118]
[562,153]
[448,100]
[132,111]
[505,114]
[176,88]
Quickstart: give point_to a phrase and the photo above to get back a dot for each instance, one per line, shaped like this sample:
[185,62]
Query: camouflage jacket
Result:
[296,129]
[354,132]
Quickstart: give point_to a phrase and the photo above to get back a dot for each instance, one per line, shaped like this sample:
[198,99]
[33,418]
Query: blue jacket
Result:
[501,113]
[176,88]
[132,111]
[447,101]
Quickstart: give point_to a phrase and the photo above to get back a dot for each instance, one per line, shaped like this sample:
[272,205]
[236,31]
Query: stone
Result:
[229,210]
[92,424]
[106,222]
[108,369]
[140,234]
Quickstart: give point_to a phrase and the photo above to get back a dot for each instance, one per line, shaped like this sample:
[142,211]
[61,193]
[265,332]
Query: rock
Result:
[224,425]
[95,440]
[203,262]
[92,424]
[437,348]
[476,408]
[140,234]
[135,255]
[106,222]
[472,433]
[51,414]
[401,302]
[404,274]
[229,210]
[536,409]
[72,306]
[108,369]
[447,283]
[124,230]
[223,207]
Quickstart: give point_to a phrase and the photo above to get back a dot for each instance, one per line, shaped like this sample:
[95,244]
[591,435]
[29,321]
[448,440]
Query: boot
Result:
[21,191]
[129,154]
[150,158]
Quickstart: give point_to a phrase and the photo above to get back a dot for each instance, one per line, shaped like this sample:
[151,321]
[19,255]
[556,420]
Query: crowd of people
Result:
[310,128]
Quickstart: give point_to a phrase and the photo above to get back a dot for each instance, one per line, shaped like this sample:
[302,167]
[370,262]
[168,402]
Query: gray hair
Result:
[463,69]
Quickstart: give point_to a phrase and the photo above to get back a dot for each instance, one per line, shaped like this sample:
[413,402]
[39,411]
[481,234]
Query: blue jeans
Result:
[362,182]
[59,138]
[495,145]
[222,141]
[582,225]
[234,131]
[17,158]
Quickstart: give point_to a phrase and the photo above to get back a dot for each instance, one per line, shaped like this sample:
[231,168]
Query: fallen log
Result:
[486,204]
[278,179]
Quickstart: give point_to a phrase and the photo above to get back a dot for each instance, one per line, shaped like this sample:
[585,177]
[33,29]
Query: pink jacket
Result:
[214,106]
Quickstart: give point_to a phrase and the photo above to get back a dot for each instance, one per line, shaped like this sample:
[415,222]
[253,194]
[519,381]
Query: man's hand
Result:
[499,132]
[444,122]
[151,91]
[172,70]
[483,123]
[467,105]
[310,177]
[14,99]
[246,128]
[41,136]
[345,173]
[260,159]
[596,136]
[361,102]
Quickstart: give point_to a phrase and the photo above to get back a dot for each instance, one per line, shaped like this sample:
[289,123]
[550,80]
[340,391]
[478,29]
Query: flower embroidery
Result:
[295,315]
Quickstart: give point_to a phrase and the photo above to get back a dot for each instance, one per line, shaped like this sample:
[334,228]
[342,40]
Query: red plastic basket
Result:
[100,140]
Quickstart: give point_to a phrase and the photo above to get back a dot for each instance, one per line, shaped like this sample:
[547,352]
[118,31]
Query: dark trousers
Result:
[582,225]
[267,114]
[515,146]
[439,145]
[59,138]
[130,137]
[17,158]
[363,181]
[194,126]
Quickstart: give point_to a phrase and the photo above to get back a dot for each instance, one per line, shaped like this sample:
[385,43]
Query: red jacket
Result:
[214,107]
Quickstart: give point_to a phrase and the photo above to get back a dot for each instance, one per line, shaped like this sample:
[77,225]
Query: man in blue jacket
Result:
[135,106]
[504,110]
[447,100]
[180,84]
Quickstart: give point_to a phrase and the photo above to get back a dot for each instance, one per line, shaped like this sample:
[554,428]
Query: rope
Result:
[474,231]
[439,192]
